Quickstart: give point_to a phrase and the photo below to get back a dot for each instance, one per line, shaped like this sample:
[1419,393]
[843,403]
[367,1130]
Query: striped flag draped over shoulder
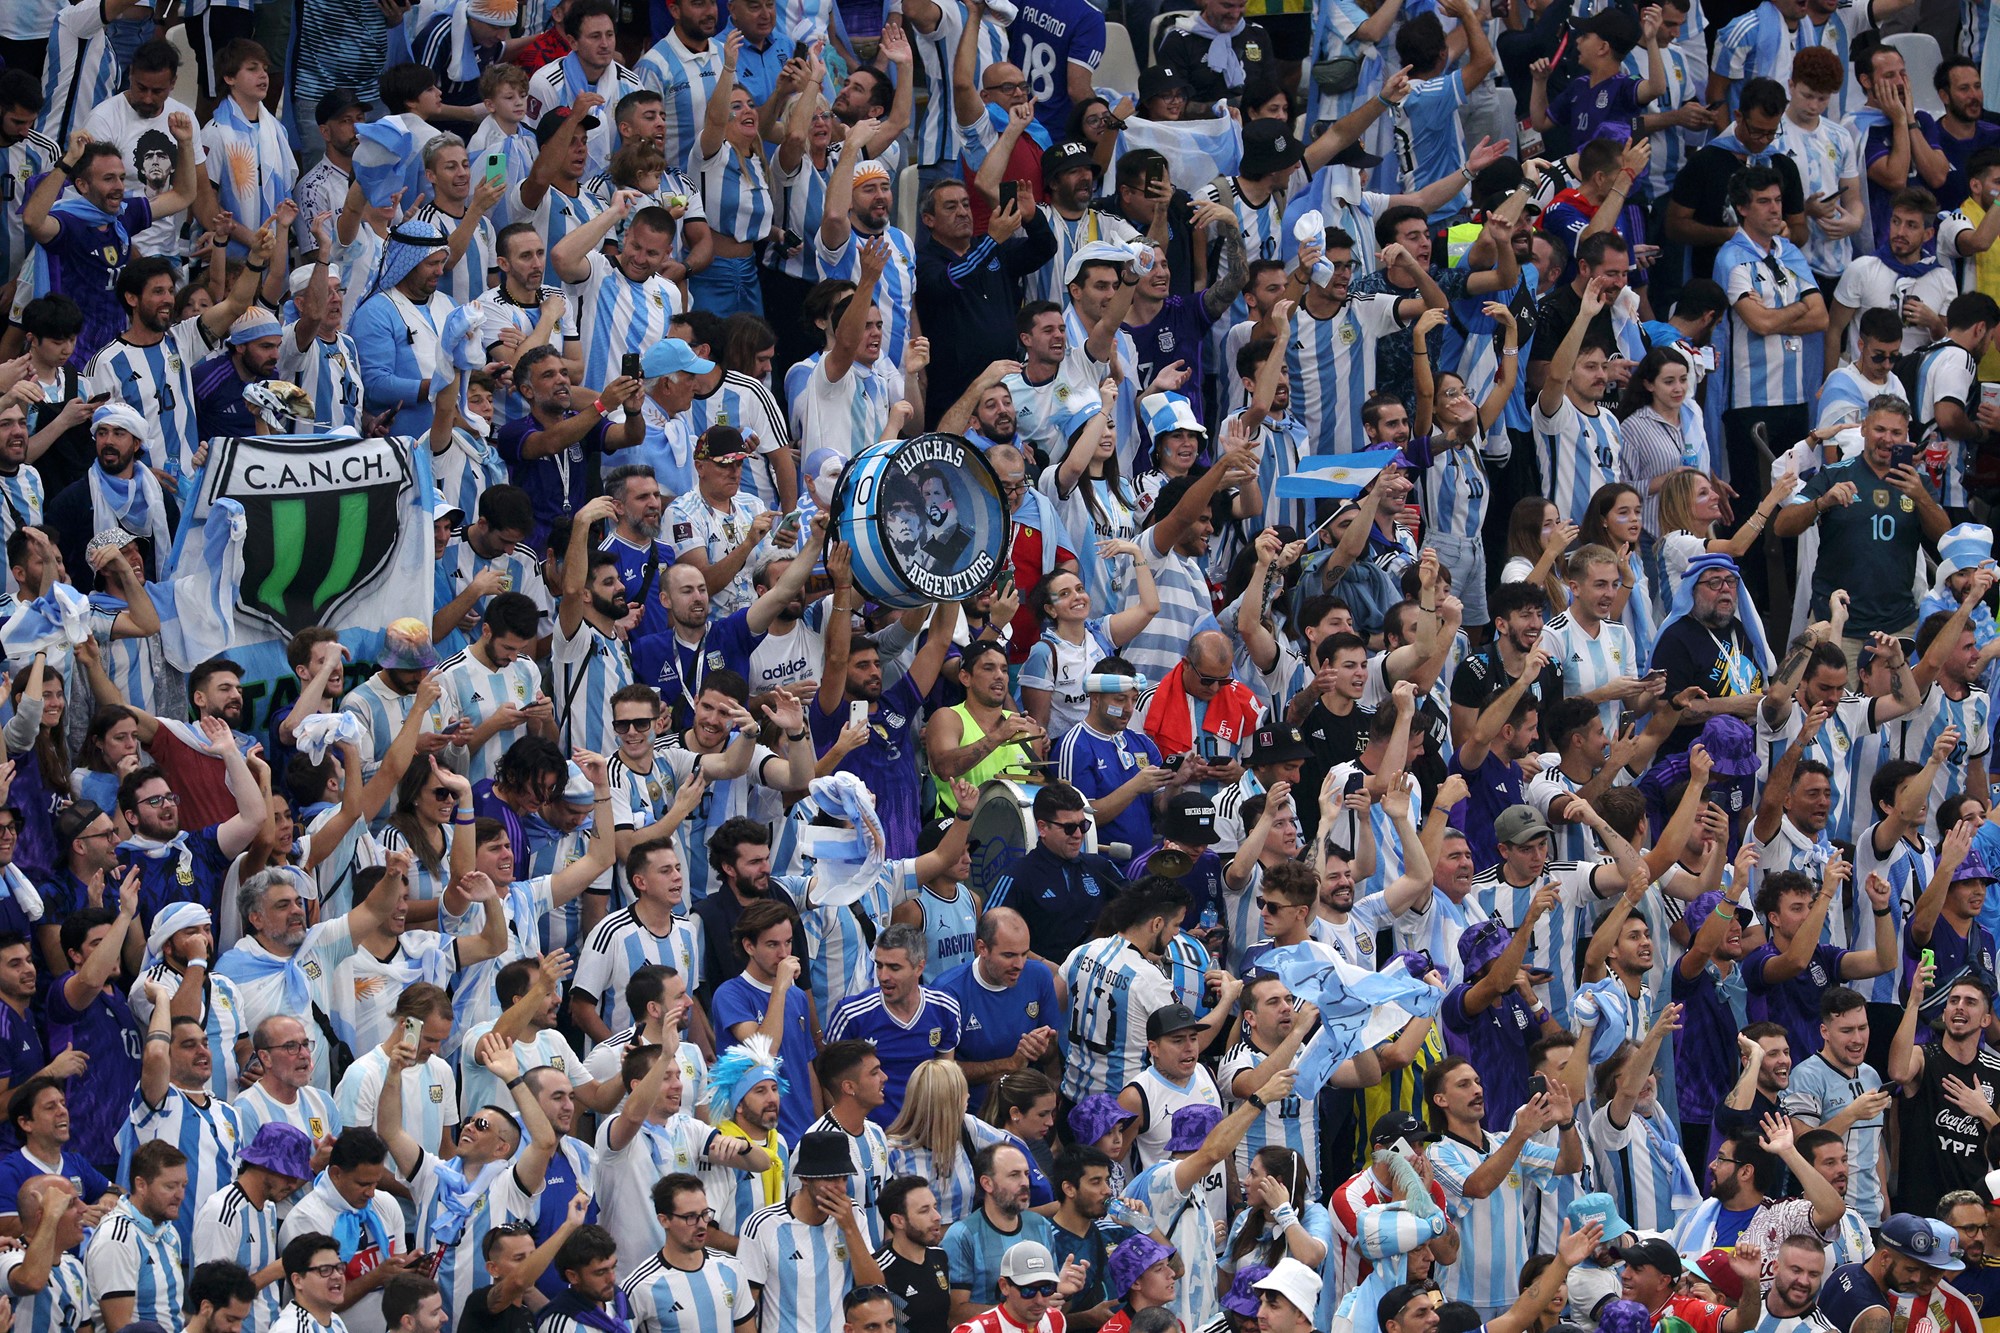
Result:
[1357,1008]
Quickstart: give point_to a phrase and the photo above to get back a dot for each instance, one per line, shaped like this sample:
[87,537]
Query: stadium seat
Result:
[1922,57]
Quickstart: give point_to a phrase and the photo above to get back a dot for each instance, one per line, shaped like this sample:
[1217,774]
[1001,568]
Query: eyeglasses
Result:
[1066,826]
[706,1217]
[163,799]
[1453,395]
[1019,487]
[622,725]
[10,830]
[325,1270]
[101,833]
[1728,1161]
[288,1047]
[1012,86]
[1720,583]
[1041,1291]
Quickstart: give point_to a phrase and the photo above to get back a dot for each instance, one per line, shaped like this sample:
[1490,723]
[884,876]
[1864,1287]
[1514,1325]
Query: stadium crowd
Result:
[1478,735]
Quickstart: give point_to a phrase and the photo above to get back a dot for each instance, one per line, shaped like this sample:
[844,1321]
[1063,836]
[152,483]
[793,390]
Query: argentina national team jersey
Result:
[63,1305]
[477,692]
[590,667]
[1948,373]
[1578,452]
[1913,736]
[617,317]
[1113,989]
[1591,661]
[684,79]
[81,70]
[1330,364]
[1848,730]
[129,1255]
[1492,1236]
[465,280]
[1557,937]
[896,291]
[869,1152]
[621,944]
[228,1227]
[1765,370]
[504,312]
[1281,1124]
[735,191]
[749,405]
[1640,1164]
[329,370]
[453,1220]
[708,1299]
[204,1131]
[934,135]
[158,381]
[20,162]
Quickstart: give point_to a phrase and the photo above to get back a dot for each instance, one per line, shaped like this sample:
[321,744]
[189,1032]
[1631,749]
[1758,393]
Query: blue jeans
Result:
[727,286]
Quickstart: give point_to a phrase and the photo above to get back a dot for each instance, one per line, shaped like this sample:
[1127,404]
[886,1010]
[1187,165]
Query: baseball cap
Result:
[1169,1019]
[336,104]
[1189,818]
[1028,1261]
[1060,157]
[1162,79]
[1912,1237]
[1614,26]
[670,355]
[932,836]
[720,444]
[1654,1252]
[1401,1125]
[553,119]
[1519,824]
[1268,146]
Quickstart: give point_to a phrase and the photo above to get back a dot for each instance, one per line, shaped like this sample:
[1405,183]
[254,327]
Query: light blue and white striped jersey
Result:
[684,80]
[1767,370]
[1826,155]
[382,712]
[894,293]
[1330,364]
[1284,441]
[520,571]
[1182,1216]
[430,1096]
[426,884]
[1546,1206]
[734,1194]
[849,413]
[1759,44]
[530,903]
[1817,1093]
[1454,487]
[666,1299]
[329,370]
[1045,283]
[691,521]
[735,192]
[1281,1124]
[229,1228]
[1913,735]
[1113,989]
[1492,1237]
[620,945]
[1845,395]
[20,162]
[590,667]
[1591,661]
[1687,77]
[1947,372]
[1578,452]
[450,1221]
[1641,619]
[477,692]
[80,72]
[1430,141]
[64,1305]
[1557,937]
[205,1132]
[1433,926]
[465,280]
[548,1049]
[503,312]
[625,1178]
[957,1189]
[557,84]
[1846,732]
[1263,238]
[749,405]
[223,1017]
[802,1272]
[1571,840]
[934,134]
[1642,1167]
[158,381]
[801,203]
[557,215]
[640,799]
[311,1111]
[130,1254]
[1187,963]
[843,961]
[1185,610]
[869,1151]
[617,317]
[518,150]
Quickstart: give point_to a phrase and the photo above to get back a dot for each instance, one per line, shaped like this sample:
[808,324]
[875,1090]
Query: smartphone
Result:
[632,367]
[1355,782]
[1010,194]
[413,1032]
[492,168]
[1538,1086]
[1832,198]
[1903,455]
[857,713]
[1173,762]
[1989,395]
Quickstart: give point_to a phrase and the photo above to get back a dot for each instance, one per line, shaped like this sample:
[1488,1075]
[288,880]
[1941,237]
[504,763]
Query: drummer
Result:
[987,736]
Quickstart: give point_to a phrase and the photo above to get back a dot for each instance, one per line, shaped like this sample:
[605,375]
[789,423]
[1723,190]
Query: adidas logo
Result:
[795,1255]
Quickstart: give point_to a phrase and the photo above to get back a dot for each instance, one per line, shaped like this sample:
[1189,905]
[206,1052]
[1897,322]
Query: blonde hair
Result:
[933,1114]
[1677,505]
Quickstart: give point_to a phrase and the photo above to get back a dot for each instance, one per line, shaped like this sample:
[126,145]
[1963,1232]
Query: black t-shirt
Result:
[1703,187]
[1942,1146]
[478,1319]
[1334,740]
[1692,654]
[1558,310]
[922,1291]
[1482,675]
[1849,1290]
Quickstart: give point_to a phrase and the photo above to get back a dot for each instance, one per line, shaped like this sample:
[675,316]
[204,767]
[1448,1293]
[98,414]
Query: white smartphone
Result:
[413,1032]
[857,713]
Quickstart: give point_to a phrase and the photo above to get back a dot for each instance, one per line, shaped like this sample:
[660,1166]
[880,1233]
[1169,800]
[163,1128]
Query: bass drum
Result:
[1003,831]
[925,518]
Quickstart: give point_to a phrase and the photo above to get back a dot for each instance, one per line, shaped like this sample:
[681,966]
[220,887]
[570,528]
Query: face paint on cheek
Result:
[1114,710]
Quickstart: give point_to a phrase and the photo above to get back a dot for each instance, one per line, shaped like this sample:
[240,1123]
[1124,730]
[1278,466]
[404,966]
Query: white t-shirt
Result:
[145,141]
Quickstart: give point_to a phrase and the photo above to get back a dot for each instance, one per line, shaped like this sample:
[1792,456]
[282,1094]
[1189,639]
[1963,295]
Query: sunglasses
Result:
[443,794]
[1273,905]
[1041,1291]
[625,724]
[1065,826]
[1213,680]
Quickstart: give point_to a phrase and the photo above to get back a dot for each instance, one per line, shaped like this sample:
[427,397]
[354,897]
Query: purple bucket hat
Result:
[1624,1317]
[1191,1125]
[1242,1296]
[1698,910]
[281,1149]
[1097,1115]
[1482,942]
[1134,1255]
[1731,746]
[1973,867]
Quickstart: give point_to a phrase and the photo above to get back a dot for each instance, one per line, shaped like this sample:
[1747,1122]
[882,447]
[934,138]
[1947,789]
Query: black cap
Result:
[1653,1252]
[1162,79]
[1277,744]
[1167,1020]
[1188,819]
[1060,157]
[1354,155]
[1614,25]
[1495,181]
[336,104]
[546,127]
[1397,1299]
[931,836]
[1268,146]
[1401,1125]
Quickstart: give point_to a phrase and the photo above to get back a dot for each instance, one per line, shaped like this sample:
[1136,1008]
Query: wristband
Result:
[1387,105]
[1257,1101]
[517,1081]
[1881,911]
[1568,1127]
[462,822]
[797,736]
[598,403]
[258,268]
[158,1036]
[1285,1216]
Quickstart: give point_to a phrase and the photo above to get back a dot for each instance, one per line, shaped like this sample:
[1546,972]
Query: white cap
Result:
[1293,1281]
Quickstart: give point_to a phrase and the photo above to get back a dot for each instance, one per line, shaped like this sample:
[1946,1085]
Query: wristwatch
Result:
[1257,1101]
